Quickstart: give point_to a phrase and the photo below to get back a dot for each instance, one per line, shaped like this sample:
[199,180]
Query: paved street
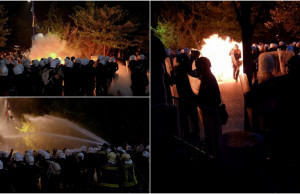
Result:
[233,98]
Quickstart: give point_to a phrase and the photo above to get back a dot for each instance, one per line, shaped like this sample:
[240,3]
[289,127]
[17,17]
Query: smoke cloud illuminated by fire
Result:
[50,46]
[217,50]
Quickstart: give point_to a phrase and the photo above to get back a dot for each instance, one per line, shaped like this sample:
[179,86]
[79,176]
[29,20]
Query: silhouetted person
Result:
[210,99]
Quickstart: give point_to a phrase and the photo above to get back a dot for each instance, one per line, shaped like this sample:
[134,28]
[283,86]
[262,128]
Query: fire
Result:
[217,50]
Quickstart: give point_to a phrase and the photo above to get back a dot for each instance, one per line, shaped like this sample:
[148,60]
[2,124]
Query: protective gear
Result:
[129,173]
[128,148]
[62,156]
[1,165]
[18,157]
[111,156]
[35,63]
[132,58]
[30,152]
[187,51]
[84,62]
[107,58]
[78,60]
[80,155]
[15,63]
[54,63]
[142,57]
[110,176]
[68,152]
[45,61]
[108,150]
[290,48]
[146,154]
[3,70]
[112,59]
[91,150]
[100,57]
[126,157]
[58,152]
[83,148]
[169,52]
[148,147]
[50,59]
[46,155]
[30,160]
[17,70]
[120,148]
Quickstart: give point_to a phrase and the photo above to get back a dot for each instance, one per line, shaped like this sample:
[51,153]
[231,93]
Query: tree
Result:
[185,24]
[4,31]
[287,14]
[110,27]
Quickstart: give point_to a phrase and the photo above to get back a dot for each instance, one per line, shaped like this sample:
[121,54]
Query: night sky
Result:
[20,16]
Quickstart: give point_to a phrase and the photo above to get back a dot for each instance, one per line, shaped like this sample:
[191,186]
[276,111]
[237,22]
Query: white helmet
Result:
[30,160]
[54,63]
[112,59]
[3,70]
[132,58]
[78,60]
[108,150]
[85,61]
[146,154]
[91,150]
[46,155]
[142,57]
[17,70]
[120,148]
[18,157]
[35,63]
[30,152]
[83,148]
[62,155]
[80,155]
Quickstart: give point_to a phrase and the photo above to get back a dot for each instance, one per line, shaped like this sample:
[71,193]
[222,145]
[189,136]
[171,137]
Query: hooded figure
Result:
[210,98]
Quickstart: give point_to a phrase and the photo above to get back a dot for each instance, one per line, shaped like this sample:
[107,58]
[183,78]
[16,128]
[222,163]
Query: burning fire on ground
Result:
[217,51]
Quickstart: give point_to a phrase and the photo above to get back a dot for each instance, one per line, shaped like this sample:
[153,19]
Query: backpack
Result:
[53,169]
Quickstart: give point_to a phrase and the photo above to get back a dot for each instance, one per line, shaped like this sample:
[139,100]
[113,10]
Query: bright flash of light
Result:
[217,51]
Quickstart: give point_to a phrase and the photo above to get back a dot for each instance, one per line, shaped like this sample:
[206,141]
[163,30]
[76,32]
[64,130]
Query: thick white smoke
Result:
[50,45]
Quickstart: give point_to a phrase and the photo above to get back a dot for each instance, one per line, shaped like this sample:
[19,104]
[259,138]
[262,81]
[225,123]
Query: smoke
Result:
[122,82]
[50,45]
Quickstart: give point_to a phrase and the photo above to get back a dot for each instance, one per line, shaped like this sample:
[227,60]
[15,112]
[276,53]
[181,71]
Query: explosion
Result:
[50,45]
[217,50]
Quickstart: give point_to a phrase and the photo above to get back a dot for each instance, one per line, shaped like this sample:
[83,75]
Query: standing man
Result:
[235,54]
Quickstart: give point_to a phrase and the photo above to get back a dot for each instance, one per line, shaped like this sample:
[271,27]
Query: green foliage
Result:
[186,24]
[4,30]
[167,32]
[105,26]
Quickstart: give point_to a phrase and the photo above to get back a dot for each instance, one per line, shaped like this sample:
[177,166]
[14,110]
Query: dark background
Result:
[20,16]
[119,121]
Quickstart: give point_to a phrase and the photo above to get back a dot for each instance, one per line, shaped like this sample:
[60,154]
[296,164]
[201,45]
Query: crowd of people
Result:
[75,77]
[101,169]
[195,110]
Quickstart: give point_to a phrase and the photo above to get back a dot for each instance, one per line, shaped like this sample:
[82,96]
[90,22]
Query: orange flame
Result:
[217,50]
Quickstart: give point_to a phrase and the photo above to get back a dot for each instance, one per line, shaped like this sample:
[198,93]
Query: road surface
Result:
[233,98]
